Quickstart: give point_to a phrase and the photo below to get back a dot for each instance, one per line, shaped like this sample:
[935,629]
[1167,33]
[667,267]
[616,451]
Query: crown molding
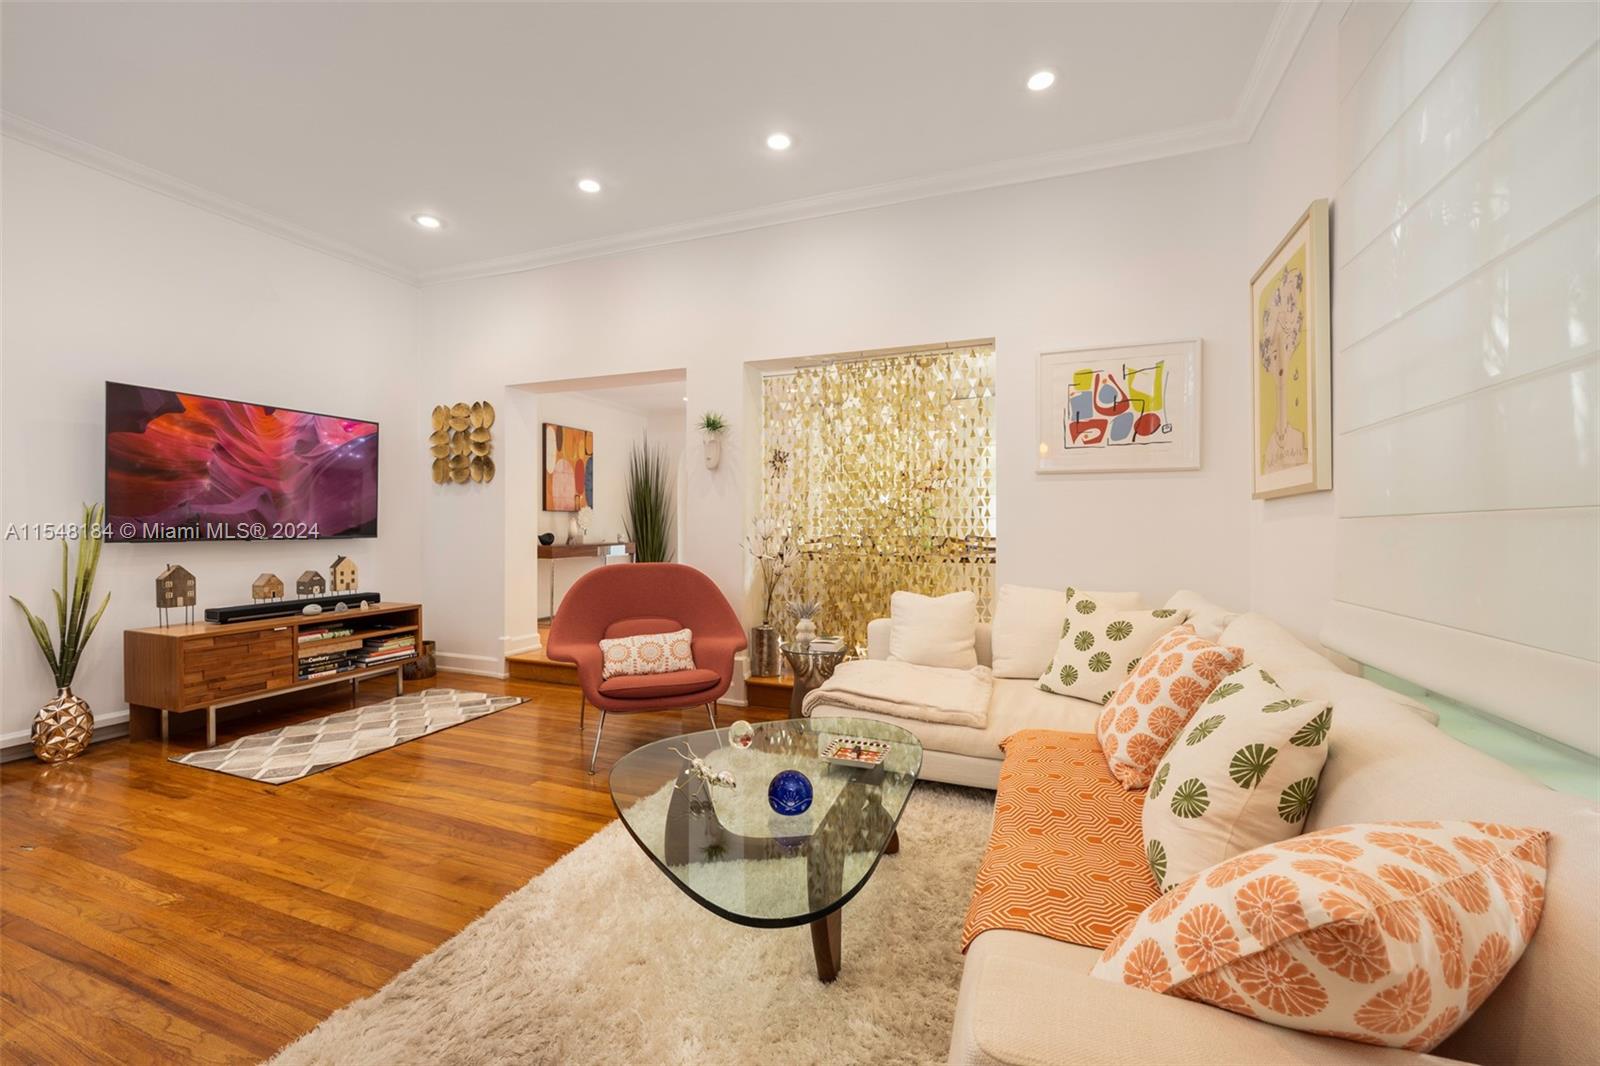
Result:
[1290,21]
[57,143]
[1289,24]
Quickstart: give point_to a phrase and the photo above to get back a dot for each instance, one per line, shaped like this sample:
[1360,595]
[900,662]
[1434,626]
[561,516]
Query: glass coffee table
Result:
[731,850]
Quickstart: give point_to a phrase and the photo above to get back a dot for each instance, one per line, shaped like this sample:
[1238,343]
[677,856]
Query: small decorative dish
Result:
[854,751]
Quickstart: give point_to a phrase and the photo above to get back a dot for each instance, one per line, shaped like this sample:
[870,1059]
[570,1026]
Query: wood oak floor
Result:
[151,912]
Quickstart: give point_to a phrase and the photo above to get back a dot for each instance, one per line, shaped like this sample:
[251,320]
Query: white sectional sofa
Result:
[1027,1000]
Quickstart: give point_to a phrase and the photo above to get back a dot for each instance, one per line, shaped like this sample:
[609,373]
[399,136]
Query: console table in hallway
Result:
[556,552]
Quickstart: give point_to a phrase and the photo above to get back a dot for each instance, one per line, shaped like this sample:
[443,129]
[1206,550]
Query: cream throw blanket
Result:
[906,690]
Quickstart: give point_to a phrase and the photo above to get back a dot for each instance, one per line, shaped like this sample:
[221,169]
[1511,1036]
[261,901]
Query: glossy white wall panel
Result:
[1531,443]
[1536,169]
[1525,312]
[1420,44]
[1362,31]
[1517,51]
[1524,576]
[1551,694]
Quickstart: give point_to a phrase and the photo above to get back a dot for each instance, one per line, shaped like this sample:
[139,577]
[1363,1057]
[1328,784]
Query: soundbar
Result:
[251,612]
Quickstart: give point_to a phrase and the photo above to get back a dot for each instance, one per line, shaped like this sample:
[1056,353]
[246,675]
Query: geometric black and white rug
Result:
[295,751]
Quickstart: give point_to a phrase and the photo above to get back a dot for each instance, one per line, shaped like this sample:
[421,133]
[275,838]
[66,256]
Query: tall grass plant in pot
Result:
[63,726]
[649,515]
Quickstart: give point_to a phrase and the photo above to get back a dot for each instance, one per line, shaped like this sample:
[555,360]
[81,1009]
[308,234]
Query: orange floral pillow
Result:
[1389,933]
[648,653]
[1145,715]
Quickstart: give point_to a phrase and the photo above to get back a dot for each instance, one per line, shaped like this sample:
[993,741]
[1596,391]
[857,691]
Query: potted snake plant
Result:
[63,726]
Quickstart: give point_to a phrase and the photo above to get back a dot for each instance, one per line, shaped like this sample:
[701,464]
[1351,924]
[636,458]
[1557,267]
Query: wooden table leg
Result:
[826,944]
[893,847]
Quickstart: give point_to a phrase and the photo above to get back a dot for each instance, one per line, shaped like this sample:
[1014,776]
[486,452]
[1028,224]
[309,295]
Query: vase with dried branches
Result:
[62,727]
[772,547]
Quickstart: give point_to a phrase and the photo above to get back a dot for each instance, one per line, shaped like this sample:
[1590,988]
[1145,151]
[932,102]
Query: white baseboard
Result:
[481,665]
[521,643]
[18,744]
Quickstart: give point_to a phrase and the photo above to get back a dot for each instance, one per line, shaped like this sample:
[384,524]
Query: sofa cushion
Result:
[1066,856]
[1014,705]
[1099,648]
[1157,701]
[656,686]
[1209,619]
[1242,774]
[934,630]
[1027,624]
[1390,932]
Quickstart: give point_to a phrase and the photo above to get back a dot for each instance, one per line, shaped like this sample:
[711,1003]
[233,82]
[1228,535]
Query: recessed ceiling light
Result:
[686,399]
[426,221]
[779,142]
[1041,80]
[588,185]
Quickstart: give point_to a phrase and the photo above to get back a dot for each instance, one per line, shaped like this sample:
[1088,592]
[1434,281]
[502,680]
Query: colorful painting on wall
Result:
[1291,393]
[568,468]
[1119,409]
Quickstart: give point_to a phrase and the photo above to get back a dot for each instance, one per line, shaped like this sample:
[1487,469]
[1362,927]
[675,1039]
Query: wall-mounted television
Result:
[180,466]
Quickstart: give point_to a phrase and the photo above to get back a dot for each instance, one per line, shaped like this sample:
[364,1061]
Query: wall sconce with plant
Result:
[712,426]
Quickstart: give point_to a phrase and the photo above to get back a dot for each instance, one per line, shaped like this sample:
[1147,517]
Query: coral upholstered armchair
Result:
[627,601]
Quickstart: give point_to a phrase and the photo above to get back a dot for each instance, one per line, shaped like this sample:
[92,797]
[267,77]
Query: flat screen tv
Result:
[185,467]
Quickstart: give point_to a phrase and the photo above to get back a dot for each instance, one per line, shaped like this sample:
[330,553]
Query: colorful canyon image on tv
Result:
[181,466]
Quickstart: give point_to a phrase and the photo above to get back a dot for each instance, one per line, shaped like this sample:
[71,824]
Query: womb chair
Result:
[626,601]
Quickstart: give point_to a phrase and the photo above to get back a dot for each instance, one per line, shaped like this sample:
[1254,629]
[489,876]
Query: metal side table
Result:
[811,668]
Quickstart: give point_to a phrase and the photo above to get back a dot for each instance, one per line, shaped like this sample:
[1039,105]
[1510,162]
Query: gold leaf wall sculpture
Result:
[462,443]
[884,469]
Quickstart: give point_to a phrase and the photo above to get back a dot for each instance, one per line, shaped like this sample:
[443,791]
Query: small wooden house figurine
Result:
[310,583]
[267,587]
[343,573]
[174,588]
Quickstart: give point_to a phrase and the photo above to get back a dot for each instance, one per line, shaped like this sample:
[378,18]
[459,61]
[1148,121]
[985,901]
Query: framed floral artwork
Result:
[1113,410]
[1291,391]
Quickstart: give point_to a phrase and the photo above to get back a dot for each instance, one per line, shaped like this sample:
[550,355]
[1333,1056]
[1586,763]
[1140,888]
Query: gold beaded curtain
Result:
[882,469]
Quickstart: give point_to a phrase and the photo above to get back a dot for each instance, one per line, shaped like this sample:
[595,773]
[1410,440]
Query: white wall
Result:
[1149,252]
[1467,365]
[1290,162]
[107,280]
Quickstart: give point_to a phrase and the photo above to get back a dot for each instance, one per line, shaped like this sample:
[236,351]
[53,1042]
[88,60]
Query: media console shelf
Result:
[205,665]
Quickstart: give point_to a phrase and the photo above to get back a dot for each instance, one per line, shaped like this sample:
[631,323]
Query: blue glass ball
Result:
[790,792]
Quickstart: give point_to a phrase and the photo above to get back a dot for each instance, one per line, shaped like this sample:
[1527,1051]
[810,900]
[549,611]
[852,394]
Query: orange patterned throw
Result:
[1389,933]
[1066,855]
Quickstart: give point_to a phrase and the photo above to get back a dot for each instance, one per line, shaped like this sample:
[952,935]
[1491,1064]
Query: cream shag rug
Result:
[601,960]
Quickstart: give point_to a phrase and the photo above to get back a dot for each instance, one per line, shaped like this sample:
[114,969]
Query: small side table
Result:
[811,668]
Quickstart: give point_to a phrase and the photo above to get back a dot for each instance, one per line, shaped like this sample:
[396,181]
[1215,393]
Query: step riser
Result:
[549,673]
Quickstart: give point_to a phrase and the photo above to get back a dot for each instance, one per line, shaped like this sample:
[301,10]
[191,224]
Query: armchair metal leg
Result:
[583,705]
[602,728]
[711,709]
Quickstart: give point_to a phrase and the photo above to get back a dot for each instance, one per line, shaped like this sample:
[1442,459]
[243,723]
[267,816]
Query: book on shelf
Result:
[325,648]
[311,636]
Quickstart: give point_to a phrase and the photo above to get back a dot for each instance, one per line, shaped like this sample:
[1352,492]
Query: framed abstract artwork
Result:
[1112,410]
[568,468]
[1291,391]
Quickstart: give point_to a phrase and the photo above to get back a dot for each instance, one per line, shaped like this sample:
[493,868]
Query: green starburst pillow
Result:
[1241,775]
[1099,646]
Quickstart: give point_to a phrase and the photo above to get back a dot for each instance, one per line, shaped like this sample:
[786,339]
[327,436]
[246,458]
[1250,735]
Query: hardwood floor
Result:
[151,912]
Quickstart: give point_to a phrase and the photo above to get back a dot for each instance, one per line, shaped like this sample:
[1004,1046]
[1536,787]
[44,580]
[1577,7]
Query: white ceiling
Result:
[334,123]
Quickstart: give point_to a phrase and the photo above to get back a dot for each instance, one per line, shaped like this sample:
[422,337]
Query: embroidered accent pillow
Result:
[1158,699]
[1100,647]
[648,653]
[1389,933]
[1243,773]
